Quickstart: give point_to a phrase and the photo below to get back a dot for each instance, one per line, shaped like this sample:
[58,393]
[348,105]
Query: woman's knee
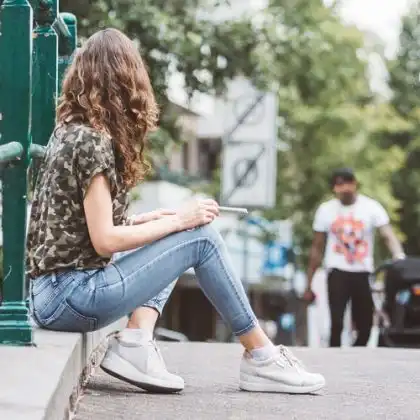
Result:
[211,235]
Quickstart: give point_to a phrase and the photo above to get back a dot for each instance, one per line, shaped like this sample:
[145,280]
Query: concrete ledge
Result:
[44,382]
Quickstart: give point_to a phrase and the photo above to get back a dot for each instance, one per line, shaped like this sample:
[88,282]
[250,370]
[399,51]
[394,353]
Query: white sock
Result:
[263,353]
[135,335]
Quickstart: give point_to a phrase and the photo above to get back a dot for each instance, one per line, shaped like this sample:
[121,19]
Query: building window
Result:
[209,153]
[185,157]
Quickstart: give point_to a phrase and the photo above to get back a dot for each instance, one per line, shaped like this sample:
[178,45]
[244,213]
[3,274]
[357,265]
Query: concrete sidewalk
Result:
[362,384]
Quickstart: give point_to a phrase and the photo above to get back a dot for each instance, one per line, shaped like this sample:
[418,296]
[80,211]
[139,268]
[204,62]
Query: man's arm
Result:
[392,242]
[316,254]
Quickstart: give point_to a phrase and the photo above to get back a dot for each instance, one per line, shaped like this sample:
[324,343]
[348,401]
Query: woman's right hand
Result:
[197,213]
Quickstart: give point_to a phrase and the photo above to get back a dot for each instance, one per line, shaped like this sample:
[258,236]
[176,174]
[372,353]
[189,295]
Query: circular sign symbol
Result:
[245,172]
[242,106]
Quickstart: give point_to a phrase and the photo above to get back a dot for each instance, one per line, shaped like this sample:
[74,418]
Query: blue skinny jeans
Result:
[87,300]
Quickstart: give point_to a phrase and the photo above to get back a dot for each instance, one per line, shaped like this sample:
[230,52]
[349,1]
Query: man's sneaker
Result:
[281,373]
[140,364]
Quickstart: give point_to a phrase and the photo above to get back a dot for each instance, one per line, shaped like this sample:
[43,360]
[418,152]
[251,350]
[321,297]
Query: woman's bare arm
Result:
[107,238]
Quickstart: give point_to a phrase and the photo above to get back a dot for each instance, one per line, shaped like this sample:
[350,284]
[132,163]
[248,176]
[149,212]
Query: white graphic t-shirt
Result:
[350,232]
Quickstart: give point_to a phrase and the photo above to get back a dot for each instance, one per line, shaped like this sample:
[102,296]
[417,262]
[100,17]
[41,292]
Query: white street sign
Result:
[260,123]
[249,157]
[258,187]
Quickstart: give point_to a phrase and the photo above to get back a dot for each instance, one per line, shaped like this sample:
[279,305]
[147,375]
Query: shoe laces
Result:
[289,357]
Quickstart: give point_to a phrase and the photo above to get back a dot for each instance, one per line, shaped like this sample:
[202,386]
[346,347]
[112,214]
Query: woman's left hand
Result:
[138,219]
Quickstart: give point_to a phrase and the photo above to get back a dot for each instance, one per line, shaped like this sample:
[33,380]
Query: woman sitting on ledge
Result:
[79,222]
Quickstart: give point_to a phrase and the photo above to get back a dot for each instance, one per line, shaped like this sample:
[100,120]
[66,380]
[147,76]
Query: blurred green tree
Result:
[329,116]
[175,37]
[404,82]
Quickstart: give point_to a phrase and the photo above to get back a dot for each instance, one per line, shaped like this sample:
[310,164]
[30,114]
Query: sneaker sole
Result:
[264,385]
[119,368]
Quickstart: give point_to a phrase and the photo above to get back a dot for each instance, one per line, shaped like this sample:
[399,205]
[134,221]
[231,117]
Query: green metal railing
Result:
[33,60]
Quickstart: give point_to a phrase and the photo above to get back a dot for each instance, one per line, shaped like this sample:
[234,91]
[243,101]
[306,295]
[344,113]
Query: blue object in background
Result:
[276,252]
[403,297]
[259,221]
[276,257]
[287,322]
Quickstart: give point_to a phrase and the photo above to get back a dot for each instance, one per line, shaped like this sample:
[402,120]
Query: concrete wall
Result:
[44,382]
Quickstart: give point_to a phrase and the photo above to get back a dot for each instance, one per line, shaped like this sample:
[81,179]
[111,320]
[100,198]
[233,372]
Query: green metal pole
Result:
[65,59]
[10,152]
[36,151]
[15,94]
[71,22]
[45,72]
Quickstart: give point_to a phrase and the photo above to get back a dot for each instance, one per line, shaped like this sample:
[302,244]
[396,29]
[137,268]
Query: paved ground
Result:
[362,384]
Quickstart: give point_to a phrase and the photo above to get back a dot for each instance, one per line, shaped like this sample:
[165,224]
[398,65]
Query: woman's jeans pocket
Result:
[68,319]
[50,306]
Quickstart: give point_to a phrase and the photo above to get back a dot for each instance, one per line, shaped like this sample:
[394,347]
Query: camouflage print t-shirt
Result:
[58,237]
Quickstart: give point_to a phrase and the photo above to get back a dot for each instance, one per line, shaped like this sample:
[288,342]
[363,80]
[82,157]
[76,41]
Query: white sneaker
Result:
[281,373]
[140,364]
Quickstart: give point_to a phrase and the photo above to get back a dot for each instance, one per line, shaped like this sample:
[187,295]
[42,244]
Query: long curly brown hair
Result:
[108,88]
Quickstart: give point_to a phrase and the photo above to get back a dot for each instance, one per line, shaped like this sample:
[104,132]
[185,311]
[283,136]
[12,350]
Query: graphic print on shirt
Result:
[350,240]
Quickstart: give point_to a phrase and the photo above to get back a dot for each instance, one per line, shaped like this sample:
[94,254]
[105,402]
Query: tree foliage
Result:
[329,116]
[404,82]
[174,37]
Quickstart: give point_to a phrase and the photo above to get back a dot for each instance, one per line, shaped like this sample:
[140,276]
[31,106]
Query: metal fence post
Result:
[15,102]
[67,47]
[45,72]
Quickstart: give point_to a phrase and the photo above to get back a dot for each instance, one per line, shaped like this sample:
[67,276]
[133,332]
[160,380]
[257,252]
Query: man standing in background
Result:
[344,228]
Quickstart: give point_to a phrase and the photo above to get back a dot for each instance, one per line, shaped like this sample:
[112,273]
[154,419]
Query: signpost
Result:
[249,157]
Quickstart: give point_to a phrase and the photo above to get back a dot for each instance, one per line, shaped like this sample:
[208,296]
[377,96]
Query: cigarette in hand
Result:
[237,210]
